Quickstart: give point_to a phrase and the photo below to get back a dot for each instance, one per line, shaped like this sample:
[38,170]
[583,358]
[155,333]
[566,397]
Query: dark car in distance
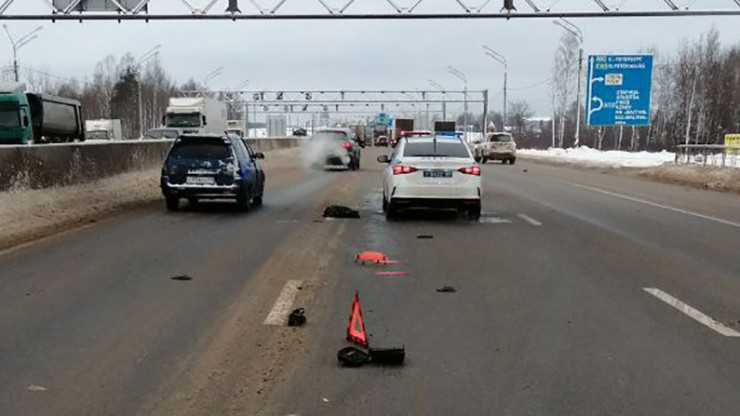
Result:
[341,148]
[212,167]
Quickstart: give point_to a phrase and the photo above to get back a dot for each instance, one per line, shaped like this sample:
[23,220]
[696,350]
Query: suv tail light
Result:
[403,169]
[347,145]
[470,170]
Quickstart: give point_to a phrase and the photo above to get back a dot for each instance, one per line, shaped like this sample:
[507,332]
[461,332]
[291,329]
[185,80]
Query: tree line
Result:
[112,92]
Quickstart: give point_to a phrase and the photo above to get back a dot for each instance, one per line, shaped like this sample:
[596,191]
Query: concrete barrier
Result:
[44,166]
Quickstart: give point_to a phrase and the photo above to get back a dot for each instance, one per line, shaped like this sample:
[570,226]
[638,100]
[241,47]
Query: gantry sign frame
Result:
[365,101]
[119,10]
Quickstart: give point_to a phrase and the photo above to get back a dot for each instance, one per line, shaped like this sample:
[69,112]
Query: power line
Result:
[544,81]
[48,74]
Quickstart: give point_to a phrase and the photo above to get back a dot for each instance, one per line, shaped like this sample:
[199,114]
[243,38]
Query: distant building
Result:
[536,125]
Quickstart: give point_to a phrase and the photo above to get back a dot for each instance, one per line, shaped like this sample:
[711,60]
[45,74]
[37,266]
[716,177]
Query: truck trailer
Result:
[39,118]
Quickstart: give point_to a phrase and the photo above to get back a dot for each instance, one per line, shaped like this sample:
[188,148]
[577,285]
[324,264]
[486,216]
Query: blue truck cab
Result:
[212,167]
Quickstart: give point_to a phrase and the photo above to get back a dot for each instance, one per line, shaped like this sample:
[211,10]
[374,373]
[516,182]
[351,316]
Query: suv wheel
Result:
[257,200]
[173,203]
[244,200]
[512,160]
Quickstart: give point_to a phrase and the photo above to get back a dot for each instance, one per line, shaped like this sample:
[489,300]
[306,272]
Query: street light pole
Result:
[464,79]
[575,30]
[145,57]
[16,45]
[438,86]
[211,76]
[503,61]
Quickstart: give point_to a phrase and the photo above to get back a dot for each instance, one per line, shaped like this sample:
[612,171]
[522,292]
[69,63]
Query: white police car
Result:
[431,171]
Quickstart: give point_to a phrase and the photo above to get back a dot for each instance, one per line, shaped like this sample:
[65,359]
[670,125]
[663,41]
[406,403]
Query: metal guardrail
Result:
[708,154]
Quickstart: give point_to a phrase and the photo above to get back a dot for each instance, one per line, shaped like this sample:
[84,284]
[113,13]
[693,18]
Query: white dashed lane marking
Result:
[282,307]
[657,205]
[692,313]
[529,219]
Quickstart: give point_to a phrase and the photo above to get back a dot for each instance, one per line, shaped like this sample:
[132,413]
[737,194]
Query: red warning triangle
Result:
[356,326]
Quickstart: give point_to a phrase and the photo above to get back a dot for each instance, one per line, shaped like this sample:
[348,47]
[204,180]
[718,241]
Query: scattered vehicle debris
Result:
[352,356]
[388,356]
[446,289]
[371,256]
[297,317]
[34,387]
[340,211]
[181,278]
[390,273]
[425,237]
[356,357]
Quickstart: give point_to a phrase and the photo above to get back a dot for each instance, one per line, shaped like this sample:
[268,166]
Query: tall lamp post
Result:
[576,31]
[454,71]
[502,60]
[142,60]
[438,86]
[212,75]
[18,44]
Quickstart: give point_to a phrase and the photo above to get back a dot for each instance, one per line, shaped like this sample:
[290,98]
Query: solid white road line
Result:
[657,205]
[282,308]
[692,313]
[529,219]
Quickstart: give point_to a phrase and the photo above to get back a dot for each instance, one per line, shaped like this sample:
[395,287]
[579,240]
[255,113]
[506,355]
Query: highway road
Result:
[578,293]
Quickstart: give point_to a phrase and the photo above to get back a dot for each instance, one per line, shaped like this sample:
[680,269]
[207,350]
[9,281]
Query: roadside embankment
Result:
[656,166]
[53,165]
[31,212]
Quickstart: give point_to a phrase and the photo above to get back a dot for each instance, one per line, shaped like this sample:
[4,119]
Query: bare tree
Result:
[564,78]
[519,112]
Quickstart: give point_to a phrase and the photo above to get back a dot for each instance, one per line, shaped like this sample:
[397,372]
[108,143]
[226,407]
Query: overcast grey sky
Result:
[357,54]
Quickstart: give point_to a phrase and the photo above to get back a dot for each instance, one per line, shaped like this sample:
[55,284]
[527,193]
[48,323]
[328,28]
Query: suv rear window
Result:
[201,148]
[439,149]
[501,138]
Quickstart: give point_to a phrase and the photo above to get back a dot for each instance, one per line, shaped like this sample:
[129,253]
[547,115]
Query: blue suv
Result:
[212,167]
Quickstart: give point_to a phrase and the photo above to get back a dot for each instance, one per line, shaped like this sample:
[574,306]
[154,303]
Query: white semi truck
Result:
[103,130]
[196,115]
[238,127]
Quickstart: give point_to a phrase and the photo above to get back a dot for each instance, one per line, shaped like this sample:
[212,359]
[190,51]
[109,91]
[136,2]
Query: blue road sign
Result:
[618,90]
[382,118]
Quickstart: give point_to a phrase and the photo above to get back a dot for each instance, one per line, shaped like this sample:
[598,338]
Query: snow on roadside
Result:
[592,157]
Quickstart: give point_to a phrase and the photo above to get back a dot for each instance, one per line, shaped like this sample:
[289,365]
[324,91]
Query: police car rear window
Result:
[438,149]
[196,148]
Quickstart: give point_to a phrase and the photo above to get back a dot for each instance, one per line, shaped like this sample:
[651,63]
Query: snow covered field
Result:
[592,157]
[658,166]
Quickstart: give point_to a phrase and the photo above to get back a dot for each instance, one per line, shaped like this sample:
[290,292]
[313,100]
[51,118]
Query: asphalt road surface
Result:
[578,293]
